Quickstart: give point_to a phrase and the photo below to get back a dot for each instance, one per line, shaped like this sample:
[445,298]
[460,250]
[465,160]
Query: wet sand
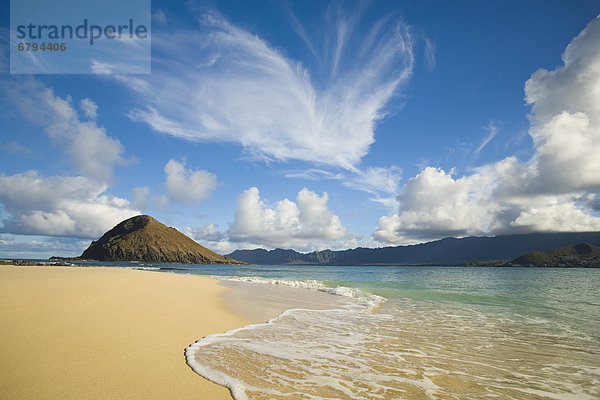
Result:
[260,302]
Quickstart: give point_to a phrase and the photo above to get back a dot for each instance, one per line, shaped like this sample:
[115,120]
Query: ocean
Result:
[413,333]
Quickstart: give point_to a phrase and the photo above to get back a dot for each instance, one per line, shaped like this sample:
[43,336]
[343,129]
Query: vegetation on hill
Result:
[580,255]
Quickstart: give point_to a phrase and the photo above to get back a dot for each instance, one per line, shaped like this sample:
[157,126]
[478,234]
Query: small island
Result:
[143,238]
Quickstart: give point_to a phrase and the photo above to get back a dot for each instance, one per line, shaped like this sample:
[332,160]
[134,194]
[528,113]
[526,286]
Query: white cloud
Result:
[15,148]
[15,246]
[429,54]
[87,145]
[565,117]
[223,83]
[493,130]
[306,224]
[211,237]
[555,214]
[314,174]
[433,204]
[59,206]
[207,232]
[89,108]
[381,183]
[188,186]
[553,191]
[140,197]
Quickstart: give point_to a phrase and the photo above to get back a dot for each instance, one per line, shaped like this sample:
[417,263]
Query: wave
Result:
[370,301]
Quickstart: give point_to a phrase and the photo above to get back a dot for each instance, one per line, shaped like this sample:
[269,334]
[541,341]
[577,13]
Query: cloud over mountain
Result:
[552,191]
[305,224]
[59,206]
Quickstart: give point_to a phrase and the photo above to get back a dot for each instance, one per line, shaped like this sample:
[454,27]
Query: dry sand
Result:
[104,333]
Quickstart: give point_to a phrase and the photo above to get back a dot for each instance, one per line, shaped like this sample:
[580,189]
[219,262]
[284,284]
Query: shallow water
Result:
[441,333]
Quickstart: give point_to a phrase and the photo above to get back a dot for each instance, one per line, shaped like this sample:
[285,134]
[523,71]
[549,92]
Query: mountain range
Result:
[448,251]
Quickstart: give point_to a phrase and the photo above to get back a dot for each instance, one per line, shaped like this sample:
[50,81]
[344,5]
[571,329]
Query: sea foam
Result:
[370,301]
[408,348]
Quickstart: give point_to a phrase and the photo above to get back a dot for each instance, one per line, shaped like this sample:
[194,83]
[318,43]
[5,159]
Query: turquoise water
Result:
[415,333]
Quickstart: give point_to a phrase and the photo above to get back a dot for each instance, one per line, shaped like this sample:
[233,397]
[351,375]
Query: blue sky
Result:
[313,125]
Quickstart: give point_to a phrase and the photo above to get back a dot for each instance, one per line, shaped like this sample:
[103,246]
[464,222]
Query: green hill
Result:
[142,238]
[580,255]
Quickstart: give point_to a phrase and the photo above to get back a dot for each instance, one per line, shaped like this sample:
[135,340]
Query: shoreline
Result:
[106,333]
[260,302]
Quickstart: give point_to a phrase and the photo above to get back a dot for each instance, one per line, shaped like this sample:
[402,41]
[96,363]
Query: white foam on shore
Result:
[370,301]
[406,347]
[237,387]
[320,344]
[427,349]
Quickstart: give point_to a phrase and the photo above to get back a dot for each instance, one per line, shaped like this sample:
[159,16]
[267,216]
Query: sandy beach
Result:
[104,333]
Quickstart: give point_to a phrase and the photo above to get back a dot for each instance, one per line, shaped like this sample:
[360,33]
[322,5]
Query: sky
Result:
[314,125]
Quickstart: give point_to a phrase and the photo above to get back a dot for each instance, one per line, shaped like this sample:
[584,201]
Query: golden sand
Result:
[103,333]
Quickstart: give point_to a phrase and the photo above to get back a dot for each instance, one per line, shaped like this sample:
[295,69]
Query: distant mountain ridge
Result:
[448,251]
[142,238]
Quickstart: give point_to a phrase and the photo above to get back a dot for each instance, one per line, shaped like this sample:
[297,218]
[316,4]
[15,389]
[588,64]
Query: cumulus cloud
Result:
[434,204]
[210,236]
[188,186]
[207,232]
[565,117]
[553,191]
[88,147]
[59,206]
[306,224]
[223,83]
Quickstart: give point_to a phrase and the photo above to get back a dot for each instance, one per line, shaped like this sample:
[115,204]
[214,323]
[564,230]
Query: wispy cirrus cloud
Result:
[223,83]
[15,148]
[381,183]
[493,130]
[429,54]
